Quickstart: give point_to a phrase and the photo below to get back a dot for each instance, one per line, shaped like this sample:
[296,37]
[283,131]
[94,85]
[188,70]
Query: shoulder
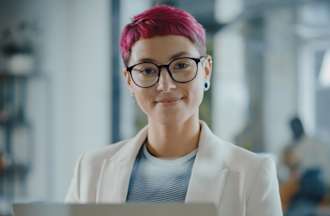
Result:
[251,169]
[90,163]
[87,170]
[96,157]
[255,176]
[243,160]
[233,157]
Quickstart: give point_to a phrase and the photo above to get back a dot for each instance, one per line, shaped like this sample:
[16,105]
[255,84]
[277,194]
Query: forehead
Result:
[161,49]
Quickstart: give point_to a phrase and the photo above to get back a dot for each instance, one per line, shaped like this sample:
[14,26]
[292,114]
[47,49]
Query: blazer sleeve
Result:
[264,196]
[73,194]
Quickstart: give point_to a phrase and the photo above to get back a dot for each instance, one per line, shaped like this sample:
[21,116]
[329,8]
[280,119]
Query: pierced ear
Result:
[208,65]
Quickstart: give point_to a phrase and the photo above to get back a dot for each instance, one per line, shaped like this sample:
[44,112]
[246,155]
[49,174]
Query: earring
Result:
[206,85]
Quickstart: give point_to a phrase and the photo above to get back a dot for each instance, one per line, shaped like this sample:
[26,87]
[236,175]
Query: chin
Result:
[171,118]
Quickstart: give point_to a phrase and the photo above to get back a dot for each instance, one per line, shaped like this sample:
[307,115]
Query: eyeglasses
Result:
[181,70]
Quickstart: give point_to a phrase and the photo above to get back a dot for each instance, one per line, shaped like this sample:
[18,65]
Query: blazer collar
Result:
[209,171]
[207,178]
[116,171]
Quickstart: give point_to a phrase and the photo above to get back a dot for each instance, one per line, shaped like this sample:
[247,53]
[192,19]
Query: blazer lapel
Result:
[208,177]
[115,173]
[209,173]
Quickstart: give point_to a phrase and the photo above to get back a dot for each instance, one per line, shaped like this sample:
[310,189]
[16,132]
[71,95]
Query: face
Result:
[168,101]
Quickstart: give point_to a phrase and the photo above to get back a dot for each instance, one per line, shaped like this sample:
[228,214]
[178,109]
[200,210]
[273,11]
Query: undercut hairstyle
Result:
[161,20]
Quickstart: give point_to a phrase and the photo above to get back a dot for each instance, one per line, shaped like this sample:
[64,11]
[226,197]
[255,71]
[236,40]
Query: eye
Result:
[149,71]
[180,65]
[183,64]
[146,69]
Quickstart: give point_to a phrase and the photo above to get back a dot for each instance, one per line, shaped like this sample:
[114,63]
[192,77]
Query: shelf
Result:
[13,170]
[13,124]
[15,76]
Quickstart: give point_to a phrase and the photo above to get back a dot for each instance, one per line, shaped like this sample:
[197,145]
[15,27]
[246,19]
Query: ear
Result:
[207,66]
[128,80]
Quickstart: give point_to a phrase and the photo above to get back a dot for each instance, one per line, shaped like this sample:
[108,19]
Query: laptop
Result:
[126,209]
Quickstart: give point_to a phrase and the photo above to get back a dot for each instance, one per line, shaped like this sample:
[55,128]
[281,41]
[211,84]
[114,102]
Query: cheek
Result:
[199,88]
[144,101]
[196,93]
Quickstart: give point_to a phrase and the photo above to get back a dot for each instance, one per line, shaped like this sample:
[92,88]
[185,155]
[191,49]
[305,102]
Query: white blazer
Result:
[238,182]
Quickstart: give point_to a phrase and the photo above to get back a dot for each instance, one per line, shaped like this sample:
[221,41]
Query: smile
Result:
[169,101]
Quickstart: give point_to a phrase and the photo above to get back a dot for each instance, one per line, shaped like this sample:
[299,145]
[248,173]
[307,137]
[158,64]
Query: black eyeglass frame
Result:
[167,66]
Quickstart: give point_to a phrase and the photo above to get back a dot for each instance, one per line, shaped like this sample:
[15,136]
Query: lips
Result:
[168,100]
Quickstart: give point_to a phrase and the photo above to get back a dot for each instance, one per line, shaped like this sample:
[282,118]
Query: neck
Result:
[173,140]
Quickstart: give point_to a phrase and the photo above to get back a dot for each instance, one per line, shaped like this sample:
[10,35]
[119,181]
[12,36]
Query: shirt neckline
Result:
[168,161]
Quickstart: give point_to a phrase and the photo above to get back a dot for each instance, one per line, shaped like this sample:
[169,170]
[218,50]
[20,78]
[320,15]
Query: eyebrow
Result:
[176,55]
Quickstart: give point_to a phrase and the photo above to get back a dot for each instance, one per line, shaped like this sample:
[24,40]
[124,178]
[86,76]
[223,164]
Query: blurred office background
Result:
[62,93]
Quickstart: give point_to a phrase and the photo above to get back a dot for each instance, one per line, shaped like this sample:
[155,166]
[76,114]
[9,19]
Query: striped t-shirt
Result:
[160,180]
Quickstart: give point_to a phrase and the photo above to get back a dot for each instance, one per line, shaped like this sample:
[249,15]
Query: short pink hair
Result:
[159,21]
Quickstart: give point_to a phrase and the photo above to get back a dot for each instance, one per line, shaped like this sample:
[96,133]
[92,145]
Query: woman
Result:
[176,157]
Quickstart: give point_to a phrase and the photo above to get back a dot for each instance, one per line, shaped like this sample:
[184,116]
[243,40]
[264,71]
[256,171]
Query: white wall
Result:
[280,79]
[279,85]
[69,105]
[230,99]
[79,40]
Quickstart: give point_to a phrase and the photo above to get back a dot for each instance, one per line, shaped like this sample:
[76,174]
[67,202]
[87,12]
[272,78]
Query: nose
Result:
[165,82]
